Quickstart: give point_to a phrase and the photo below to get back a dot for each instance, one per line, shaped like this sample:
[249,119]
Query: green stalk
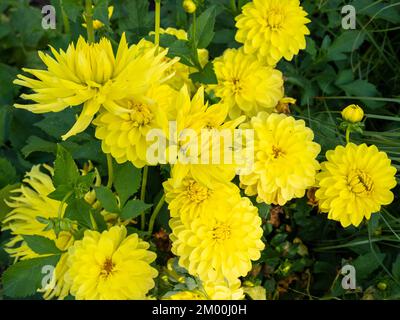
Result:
[143,194]
[157,22]
[155,213]
[233,7]
[67,27]
[110,171]
[347,135]
[59,213]
[89,20]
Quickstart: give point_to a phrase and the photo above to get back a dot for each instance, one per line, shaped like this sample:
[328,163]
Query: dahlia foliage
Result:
[220,138]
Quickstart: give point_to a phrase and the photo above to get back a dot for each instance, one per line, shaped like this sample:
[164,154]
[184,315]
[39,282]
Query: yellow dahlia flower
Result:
[272,29]
[245,84]
[124,135]
[190,199]
[285,159]
[198,155]
[355,182]
[110,266]
[221,244]
[31,200]
[91,75]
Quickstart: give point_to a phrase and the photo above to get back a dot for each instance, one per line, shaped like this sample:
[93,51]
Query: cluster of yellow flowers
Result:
[216,232]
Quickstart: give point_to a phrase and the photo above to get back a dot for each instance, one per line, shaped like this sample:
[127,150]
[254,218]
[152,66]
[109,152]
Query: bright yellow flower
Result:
[91,75]
[124,135]
[190,199]
[221,244]
[285,159]
[246,85]
[110,266]
[355,182]
[353,113]
[272,29]
[190,153]
[31,200]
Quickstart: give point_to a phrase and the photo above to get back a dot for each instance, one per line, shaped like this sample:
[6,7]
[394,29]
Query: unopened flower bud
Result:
[353,113]
[189,6]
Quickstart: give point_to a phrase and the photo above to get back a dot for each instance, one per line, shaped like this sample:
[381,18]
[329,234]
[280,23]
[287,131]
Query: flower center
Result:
[236,85]
[359,182]
[197,192]
[141,115]
[221,232]
[277,152]
[275,19]
[107,268]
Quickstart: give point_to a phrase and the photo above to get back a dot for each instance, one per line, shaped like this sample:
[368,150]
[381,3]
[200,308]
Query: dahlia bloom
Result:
[110,266]
[124,135]
[355,182]
[272,29]
[29,201]
[90,75]
[198,155]
[285,162]
[219,245]
[245,84]
[189,199]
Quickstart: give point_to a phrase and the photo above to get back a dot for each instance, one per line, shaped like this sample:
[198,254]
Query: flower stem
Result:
[89,20]
[157,22]
[67,27]
[110,171]
[143,194]
[155,213]
[66,197]
[233,7]
[347,135]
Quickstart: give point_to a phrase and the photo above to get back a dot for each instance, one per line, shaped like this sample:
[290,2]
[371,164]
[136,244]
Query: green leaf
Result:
[134,208]
[203,33]
[206,76]
[80,211]
[4,124]
[176,48]
[396,268]
[8,174]
[107,199]
[41,245]
[127,181]
[36,144]
[348,41]
[61,192]
[367,264]
[73,8]
[24,278]
[83,184]
[58,123]
[263,209]
[5,193]
[65,170]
